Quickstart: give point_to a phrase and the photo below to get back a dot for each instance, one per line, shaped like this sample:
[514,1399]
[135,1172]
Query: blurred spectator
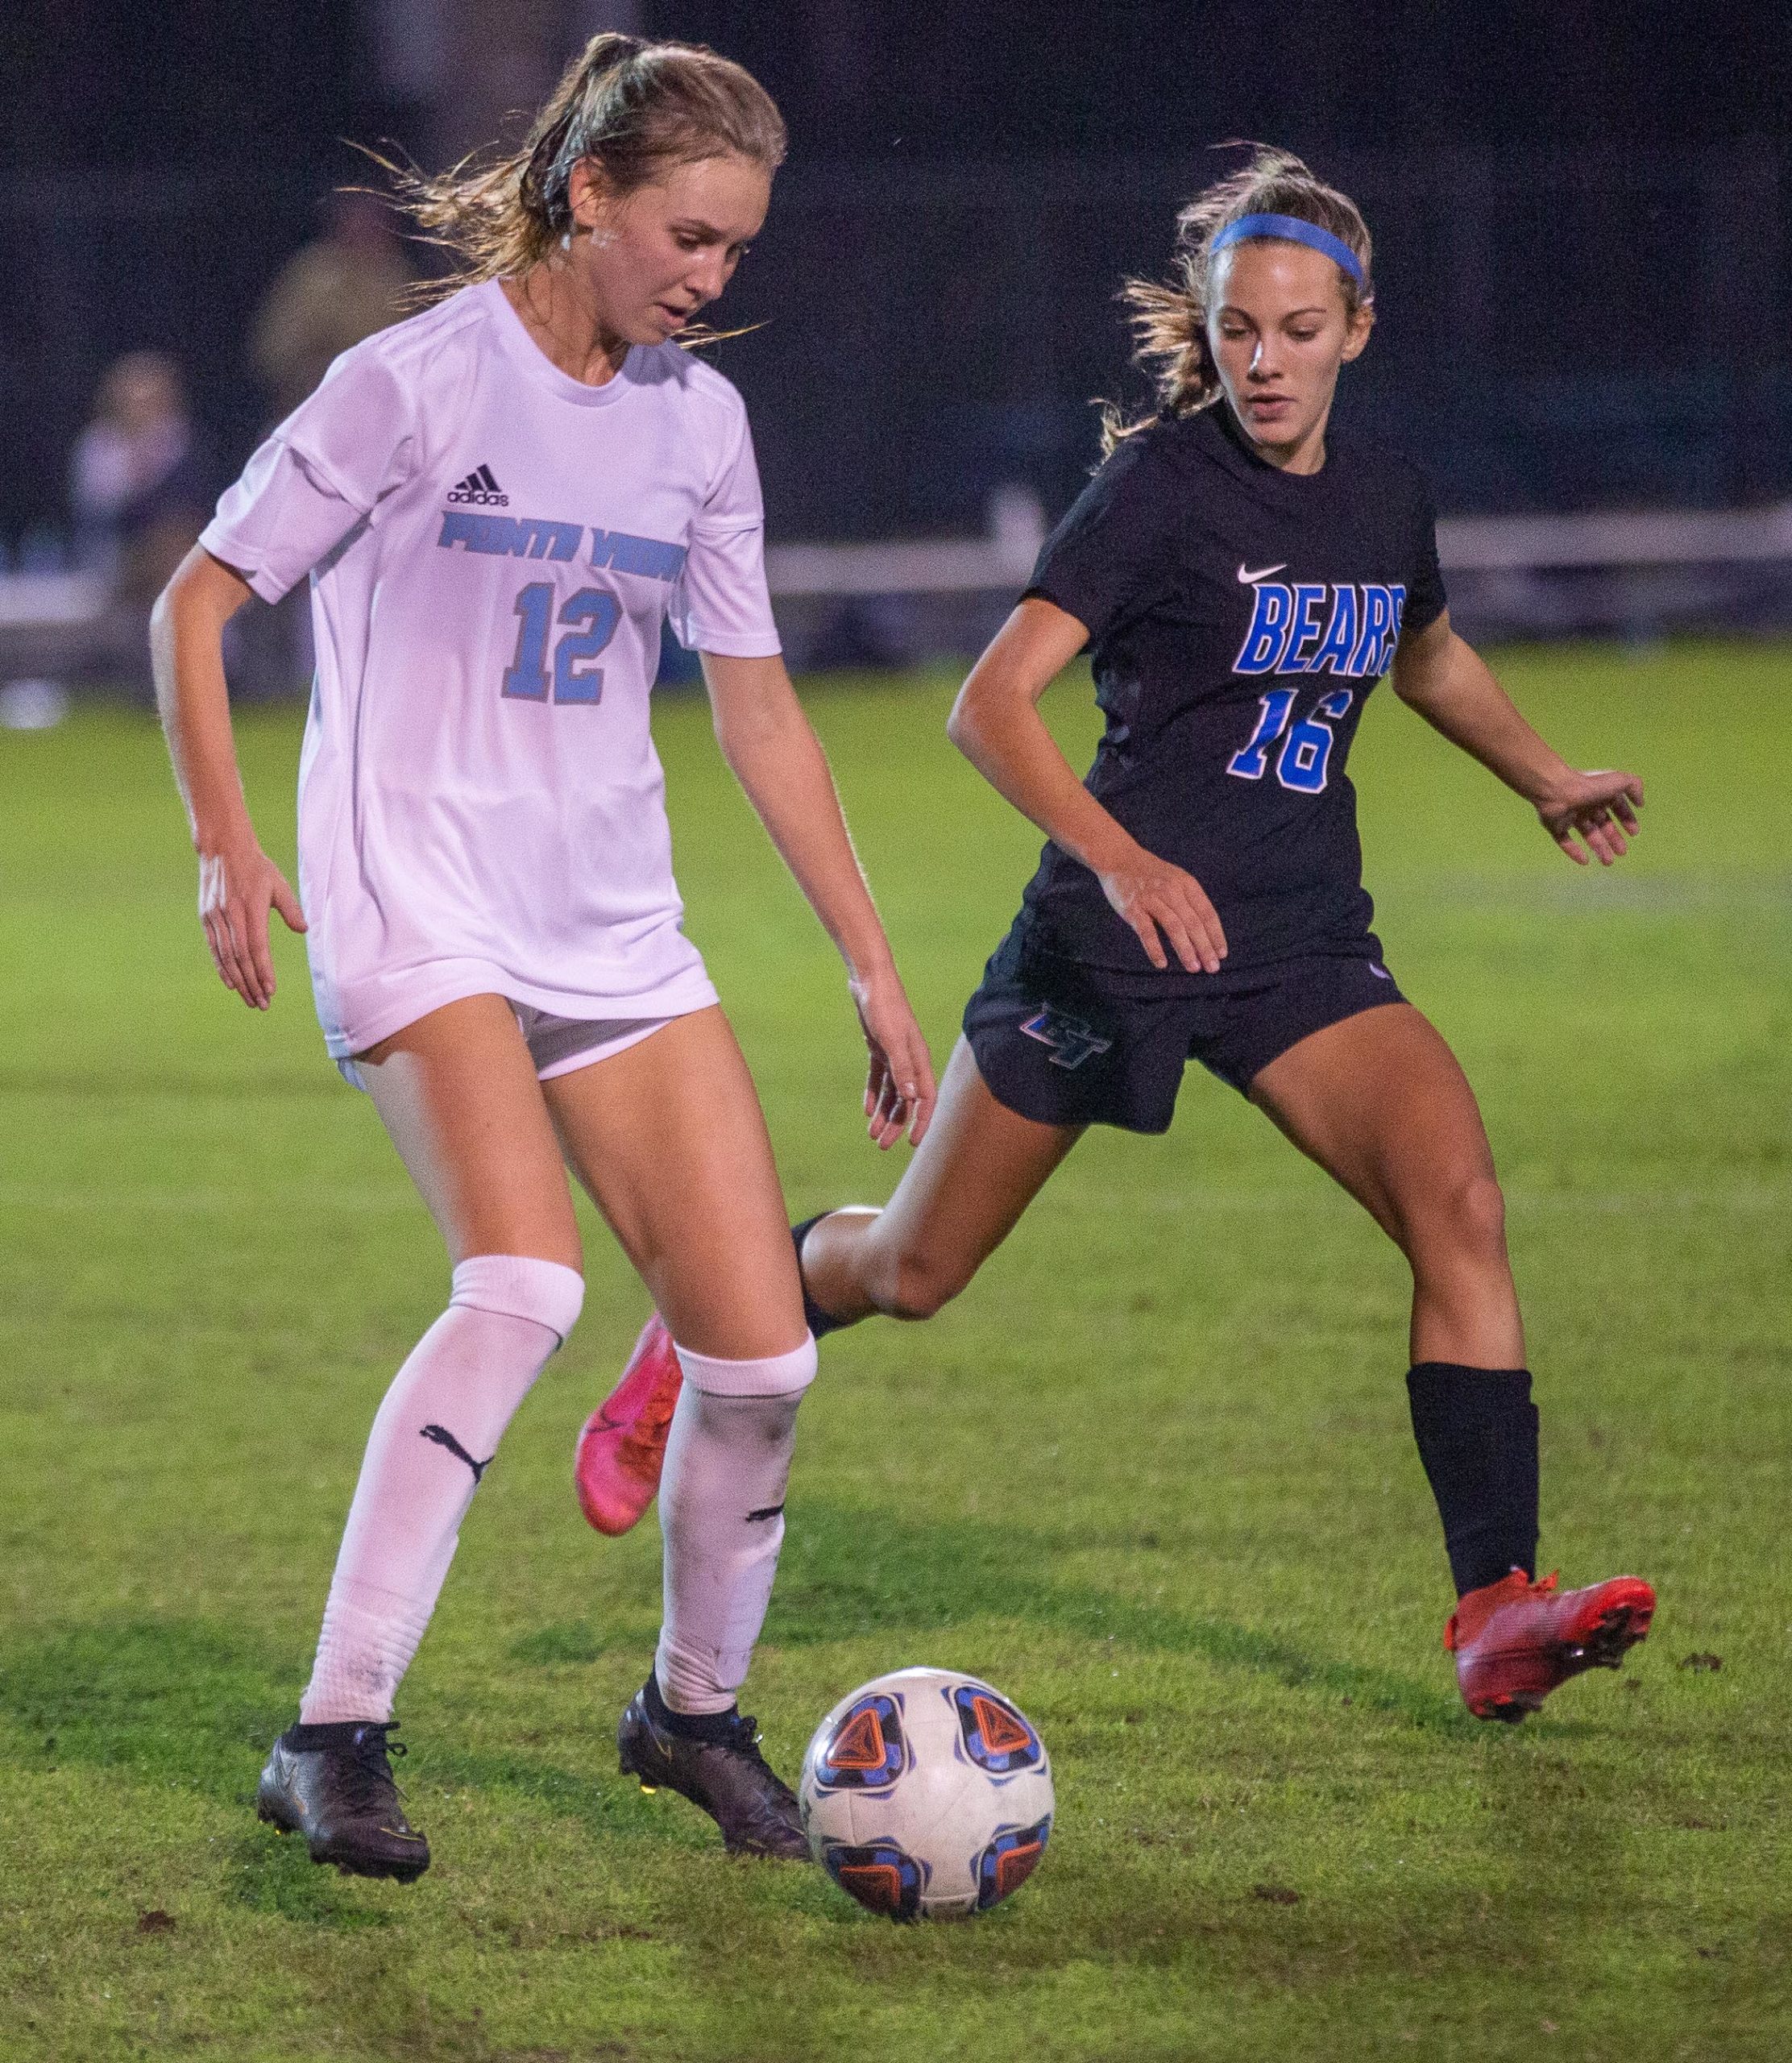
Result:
[139,480]
[348,284]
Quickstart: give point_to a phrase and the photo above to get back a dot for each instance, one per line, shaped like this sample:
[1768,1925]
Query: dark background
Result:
[1581,215]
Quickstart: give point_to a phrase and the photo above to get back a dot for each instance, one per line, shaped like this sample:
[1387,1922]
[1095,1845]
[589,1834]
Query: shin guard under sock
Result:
[432,1439]
[1477,1434]
[728,1460]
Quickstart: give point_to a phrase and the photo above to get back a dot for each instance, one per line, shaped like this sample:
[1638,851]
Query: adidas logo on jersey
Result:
[480,486]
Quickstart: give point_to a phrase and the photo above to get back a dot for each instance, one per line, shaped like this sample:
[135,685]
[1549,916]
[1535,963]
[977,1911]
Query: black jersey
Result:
[1238,616]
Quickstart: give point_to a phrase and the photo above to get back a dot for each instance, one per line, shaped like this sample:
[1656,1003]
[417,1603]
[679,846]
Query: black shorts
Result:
[1055,1045]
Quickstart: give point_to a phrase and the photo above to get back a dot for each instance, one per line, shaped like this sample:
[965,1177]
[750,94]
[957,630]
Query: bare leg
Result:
[668,1139]
[1381,1104]
[972,1175]
[457,1093]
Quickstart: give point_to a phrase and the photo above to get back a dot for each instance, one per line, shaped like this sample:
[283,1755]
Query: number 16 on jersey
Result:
[1306,750]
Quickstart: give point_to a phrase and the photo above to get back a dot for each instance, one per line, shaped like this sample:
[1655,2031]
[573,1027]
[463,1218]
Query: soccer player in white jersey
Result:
[497,503]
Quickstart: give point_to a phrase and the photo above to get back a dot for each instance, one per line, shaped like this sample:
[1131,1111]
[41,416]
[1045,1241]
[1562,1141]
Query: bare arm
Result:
[997,724]
[774,754]
[237,883]
[1453,688]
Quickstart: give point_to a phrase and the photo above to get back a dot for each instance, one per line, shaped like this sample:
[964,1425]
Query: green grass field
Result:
[1152,1474]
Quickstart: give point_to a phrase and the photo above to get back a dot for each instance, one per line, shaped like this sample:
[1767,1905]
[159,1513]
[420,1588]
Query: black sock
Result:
[686,1725]
[821,1322]
[1477,1434]
[328,1733]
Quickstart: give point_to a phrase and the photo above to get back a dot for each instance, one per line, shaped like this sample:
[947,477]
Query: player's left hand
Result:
[1600,808]
[898,1087]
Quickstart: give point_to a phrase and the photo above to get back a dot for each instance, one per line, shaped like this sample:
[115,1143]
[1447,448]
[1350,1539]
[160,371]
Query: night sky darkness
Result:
[97,82]
[111,107]
[962,80]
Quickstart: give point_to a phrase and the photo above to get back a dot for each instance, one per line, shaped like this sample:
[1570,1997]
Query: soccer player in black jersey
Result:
[1242,580]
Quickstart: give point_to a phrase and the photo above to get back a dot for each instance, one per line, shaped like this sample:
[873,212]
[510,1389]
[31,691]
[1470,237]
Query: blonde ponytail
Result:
[632,108]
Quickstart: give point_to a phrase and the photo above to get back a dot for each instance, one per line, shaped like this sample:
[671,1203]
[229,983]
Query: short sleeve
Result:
[327,467]
[1118,547]
[720,602]
[278,520]
[1426,598]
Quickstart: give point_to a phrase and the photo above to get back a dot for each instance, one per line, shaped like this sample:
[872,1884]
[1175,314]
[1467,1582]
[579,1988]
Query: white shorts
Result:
[557,1045]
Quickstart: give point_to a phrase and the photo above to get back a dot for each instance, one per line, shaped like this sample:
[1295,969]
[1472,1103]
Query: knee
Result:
[1467,1222]
[921,1284]
[519,1286]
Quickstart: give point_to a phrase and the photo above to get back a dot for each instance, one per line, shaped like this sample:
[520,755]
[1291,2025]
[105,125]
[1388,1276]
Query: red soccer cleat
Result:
[1515,1641]
[616,1466]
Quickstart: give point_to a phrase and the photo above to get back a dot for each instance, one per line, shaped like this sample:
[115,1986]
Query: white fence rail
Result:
[1510,574]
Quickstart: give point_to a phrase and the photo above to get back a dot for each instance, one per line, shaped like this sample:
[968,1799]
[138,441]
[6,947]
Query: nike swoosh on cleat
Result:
[1262,572]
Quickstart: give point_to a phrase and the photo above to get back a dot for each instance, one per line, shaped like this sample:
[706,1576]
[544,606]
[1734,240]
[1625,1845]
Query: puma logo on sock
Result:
[444,1438]
[765,1511]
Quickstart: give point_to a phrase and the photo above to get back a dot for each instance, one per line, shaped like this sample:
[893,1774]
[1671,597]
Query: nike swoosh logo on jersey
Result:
[1262,572]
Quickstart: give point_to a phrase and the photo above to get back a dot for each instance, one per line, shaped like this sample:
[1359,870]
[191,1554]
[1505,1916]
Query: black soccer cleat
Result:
[338,1792]
[729,1779]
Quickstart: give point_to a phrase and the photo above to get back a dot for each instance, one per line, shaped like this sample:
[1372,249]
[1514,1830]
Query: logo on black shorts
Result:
[480,486]
[1070,1039]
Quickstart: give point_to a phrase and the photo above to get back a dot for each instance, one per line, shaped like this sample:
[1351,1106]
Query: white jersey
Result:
[492,546]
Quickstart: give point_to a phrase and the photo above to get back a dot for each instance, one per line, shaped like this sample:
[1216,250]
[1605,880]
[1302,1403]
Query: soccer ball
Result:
[927,1795]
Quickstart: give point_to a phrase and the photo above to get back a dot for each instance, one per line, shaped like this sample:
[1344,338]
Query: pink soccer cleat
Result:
[616,1466]
[1515,1641]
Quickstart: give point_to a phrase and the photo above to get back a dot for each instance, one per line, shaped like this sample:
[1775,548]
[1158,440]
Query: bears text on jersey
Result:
[1335,627]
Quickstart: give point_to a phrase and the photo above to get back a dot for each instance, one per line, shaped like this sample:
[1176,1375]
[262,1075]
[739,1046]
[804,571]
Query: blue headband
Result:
[1291,229]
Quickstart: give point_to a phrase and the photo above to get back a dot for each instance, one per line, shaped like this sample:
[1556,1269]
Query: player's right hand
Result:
[1163,905]
[238,884]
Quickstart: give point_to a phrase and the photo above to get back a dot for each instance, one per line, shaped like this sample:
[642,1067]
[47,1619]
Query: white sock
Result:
[722,1512]
[433,1439]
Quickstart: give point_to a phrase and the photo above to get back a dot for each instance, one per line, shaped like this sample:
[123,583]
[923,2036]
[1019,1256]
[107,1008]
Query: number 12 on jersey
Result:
[588,621]
[1306,750]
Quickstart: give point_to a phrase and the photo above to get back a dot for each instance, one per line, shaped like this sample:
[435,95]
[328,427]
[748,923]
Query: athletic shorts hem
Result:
[573,1044]
[1250,1063]
[605,1046]
[1054,1046]
[1029,1101]
[690,989]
